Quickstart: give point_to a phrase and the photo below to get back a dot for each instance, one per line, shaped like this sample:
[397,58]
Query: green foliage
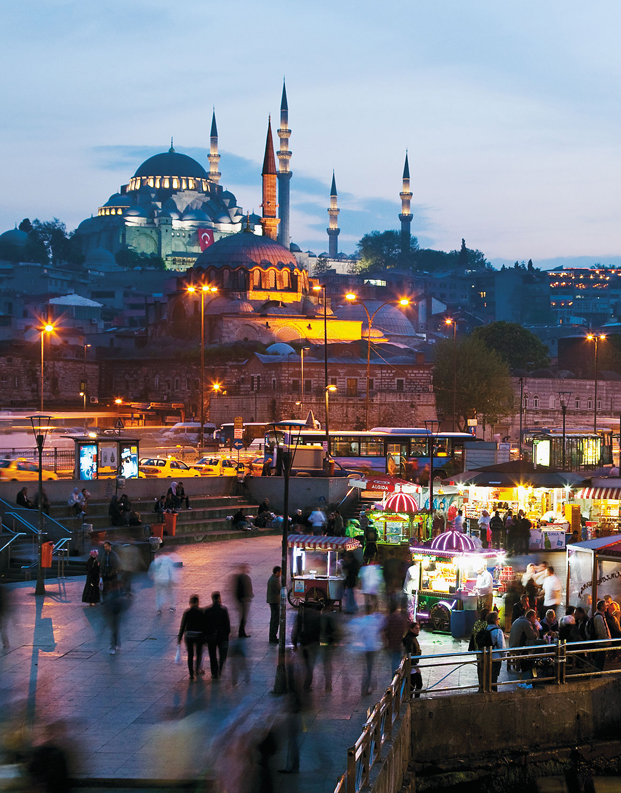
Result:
[468,259]
[321,266]
[381,250]
[25,225]
[132,259]
[516,345]
[483,381]
[62,247]
[31,252]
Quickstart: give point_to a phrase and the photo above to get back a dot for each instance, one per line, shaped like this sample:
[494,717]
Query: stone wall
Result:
[20,381]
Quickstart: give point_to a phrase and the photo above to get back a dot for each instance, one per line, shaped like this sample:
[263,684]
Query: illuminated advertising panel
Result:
[88,461]
[129,461]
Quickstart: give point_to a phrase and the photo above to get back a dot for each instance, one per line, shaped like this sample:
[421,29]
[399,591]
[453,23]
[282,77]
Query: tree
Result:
[25,225]
[468,259]
[62,247]
[517,346]
[321,266]
[131,260]
[483,382]
[381,250]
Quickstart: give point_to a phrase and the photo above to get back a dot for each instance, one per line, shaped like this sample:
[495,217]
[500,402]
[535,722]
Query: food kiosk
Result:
[445,577]
[394,520]
[593,571]
[321,583]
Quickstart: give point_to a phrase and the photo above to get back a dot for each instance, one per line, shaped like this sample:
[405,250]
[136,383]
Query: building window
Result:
[187,384]
[536,402]
[273,384]
[577,403]
[400,384]
[177,384]
[524,402]
[589,404]
[4,380]
[16,381]
[333,381]
[255,382]
[308,386]
[295,386]
[352,386]
[156,382]
[599,404]
[371,384]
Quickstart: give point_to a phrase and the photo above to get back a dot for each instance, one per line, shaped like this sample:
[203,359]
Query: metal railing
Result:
[5,550]
[28,518]
[367,751]
[556,664]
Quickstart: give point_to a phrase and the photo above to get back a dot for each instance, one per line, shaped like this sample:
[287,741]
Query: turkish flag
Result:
[205,238]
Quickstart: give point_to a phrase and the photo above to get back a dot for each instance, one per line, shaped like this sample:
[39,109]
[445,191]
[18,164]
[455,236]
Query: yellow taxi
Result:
[219,466]
[165,468]
[22,470]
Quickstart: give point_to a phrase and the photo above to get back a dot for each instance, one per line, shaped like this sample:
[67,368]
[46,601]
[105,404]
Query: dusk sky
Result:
[510,111]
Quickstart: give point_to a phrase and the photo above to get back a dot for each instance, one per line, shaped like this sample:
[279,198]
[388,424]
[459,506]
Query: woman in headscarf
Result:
[74,501]
[91,593]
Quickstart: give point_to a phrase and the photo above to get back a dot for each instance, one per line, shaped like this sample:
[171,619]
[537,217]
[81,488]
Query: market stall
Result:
[593,571]
[601,503]
[321,583]
[394,519]
[444,574]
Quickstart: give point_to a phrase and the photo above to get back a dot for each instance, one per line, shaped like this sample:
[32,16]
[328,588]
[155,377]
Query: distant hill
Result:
[564,261]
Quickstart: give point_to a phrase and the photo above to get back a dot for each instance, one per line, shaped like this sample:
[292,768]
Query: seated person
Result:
[160,508]
[520,608]
[239,520]
[549,626]
[22,499]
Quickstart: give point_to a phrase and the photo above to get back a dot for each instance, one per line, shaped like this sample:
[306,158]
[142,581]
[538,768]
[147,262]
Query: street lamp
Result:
[355,299]
[47,328]
[564,397]
[596,338]
[40,427]
[203,289]
[453,322]
[318,288]
[328,390]
[432,426]
[302,351]
[84,389]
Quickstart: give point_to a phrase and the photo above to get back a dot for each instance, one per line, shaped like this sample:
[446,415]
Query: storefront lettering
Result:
[584,587]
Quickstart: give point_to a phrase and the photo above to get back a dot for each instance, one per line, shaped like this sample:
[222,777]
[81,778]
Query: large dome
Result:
[14,237]
[245,249]
[171,164]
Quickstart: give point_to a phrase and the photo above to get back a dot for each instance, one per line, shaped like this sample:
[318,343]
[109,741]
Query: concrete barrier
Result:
[388,776]
[304,491]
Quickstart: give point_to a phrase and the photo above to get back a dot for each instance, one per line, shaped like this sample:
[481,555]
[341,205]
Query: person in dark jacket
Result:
[520,608]
[22,499]
[91,594]
[217,630]
[524,533]
[115,512]
[307,633]
[110,564]
[412,647]
[242,590]
[193,628]
[497,527]
[160,508]
[181,496]
[44,501]
[350,570]
[273,599]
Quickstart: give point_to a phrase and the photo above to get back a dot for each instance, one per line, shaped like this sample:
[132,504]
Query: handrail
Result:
[17,516]
[13,538]
[30,525]
[345,497]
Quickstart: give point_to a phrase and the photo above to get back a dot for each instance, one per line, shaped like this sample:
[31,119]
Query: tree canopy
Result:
[132,259]
[381,250]
[483,382]
[62,247]
[517,346]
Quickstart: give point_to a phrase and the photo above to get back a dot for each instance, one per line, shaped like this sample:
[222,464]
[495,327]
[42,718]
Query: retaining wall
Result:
[304,491]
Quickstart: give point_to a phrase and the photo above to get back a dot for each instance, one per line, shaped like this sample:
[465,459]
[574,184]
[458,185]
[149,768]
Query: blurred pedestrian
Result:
[115,605]
[330,638]
[484,588]
[497,527]
[91,593]
[350,569]
[293,707]
[339,529]
[368,631]
[217,631]
[412,648]
[193,628]
[371,580]
[163,573]
[370,541]
[307,633]
[242,591]
[5,607]
[239,661]
[46,506]
[22,500]
[394,630]
[110,564]
[273,599]
[317,520]
[48,766]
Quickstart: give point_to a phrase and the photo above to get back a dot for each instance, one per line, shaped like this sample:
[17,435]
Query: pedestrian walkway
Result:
[58,667]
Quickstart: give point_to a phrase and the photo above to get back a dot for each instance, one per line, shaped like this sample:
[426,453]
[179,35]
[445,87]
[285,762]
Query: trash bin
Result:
[46,554]
[170,520]
[157,530]
[462,623]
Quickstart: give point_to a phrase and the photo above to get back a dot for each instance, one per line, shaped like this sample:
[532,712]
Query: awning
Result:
[599,493]
[311,542]
[382,483]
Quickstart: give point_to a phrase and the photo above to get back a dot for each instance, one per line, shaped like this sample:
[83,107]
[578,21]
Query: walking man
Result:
[242,589]
[552,590]
[110,564]
[217,631]
[273,599]
[193,627]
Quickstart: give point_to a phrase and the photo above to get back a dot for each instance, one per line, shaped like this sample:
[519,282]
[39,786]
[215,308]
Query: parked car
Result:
[22,470]
[219,466]
[165,468]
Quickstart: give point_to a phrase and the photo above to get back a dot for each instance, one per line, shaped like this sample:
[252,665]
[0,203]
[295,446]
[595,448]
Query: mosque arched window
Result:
[256,278]
[285,279]
[166,182]
[151,182]
[241,280]
[175,183]
[226,274]
[184,184]
[271,279]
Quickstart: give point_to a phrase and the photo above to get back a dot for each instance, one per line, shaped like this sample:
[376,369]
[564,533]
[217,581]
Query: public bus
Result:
[401,452]
[584,449]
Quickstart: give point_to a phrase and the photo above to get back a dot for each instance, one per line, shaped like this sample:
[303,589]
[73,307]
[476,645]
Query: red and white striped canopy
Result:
[311,542]
[401,502]
[599,493]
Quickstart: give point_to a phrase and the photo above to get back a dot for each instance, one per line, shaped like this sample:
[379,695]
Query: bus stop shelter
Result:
[105,457]
[593,570]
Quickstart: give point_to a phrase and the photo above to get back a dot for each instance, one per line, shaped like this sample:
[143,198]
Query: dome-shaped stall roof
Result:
[14,237]
[245,249]
[280,348]
[453,541]
[171,163]
[401,502]
[389,319]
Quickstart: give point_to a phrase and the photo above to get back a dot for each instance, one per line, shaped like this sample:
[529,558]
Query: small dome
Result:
[195,214]
[171,163]
[545,373]
[245,249]
[228,196]
[295,248]
[280,349]
[170,213]
[14,237]
[453,541]
[401,502]
[137,212]
[118,200]
[98,257]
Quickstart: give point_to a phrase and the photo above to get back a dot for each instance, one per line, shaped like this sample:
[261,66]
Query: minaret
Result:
[333,230]
[214,157]
[284,174]
[406,216]
[269,221]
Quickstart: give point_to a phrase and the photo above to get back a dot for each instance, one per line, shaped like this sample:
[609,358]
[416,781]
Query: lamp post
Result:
[564,397]
[40,427]
[453,322]
[328,389]
[596,338]
[325,332]
[432,426]
[84,390]
[47,328]
[355,299]
[202,290]
[302,351]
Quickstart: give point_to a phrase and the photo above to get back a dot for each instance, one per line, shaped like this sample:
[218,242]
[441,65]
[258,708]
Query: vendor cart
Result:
[315,578]
[443,581]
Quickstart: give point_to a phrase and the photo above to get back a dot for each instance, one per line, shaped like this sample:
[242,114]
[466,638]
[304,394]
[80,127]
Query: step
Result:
[101,507]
